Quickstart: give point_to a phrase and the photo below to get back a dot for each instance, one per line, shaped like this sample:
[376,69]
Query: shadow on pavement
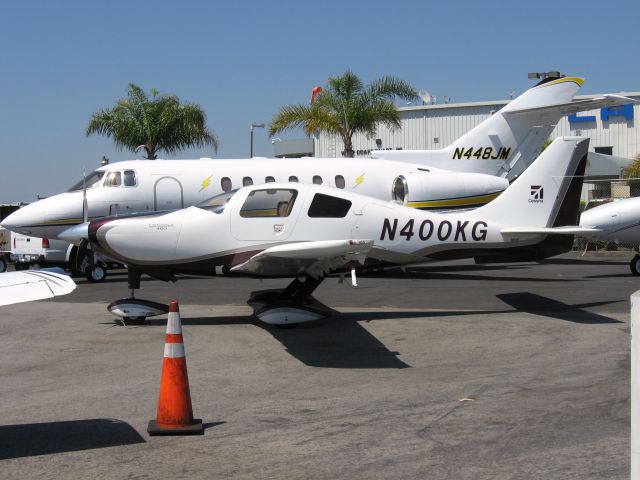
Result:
[532,303]
[334,342]
[34,439]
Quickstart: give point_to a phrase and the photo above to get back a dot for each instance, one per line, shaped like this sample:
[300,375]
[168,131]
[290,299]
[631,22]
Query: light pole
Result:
[253,125]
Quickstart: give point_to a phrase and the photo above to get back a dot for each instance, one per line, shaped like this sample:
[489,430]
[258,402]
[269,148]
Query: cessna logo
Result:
[537,194]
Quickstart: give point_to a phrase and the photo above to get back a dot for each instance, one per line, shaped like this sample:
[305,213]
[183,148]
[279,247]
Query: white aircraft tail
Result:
[507,142]
[547,194]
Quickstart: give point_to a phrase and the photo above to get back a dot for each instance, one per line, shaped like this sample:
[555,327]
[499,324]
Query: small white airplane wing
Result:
[570,230]
[29,285]
[578,105]
[311,258]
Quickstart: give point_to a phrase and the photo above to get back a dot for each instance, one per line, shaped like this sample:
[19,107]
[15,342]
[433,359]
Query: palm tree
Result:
[157,123]
[347,107]
[633,172]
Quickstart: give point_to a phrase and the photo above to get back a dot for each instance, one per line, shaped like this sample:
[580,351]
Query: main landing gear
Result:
[291,305]
[134,310]
[279,306]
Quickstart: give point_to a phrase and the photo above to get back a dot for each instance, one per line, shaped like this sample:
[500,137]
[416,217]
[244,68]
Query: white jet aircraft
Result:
[310,231]
[470,172]
[617,221]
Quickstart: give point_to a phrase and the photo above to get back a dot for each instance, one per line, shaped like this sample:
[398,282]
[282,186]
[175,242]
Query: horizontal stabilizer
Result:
[311,258]
[570,230]
[576,106]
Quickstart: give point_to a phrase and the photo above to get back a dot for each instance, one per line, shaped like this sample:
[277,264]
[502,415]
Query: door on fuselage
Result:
[266,214]
[168,194]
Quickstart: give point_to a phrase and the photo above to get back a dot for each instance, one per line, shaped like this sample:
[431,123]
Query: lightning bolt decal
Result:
[205,183]
[359,180]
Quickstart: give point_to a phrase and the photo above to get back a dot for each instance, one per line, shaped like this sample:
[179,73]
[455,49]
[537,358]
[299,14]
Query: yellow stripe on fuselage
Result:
[454,202]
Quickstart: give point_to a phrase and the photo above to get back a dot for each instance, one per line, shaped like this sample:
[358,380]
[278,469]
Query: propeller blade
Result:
[85,205]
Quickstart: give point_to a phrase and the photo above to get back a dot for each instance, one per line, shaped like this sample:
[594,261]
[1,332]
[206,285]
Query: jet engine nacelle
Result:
[444,190]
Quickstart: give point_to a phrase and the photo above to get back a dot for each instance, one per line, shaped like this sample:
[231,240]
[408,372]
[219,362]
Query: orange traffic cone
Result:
[175,415]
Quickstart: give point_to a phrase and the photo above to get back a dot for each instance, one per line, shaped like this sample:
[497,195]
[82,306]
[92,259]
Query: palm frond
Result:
[159,123]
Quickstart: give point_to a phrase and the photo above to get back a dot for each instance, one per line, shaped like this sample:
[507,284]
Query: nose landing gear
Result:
[134,310]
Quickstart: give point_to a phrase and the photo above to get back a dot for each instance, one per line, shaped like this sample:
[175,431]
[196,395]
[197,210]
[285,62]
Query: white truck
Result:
[28,252]
[6,236]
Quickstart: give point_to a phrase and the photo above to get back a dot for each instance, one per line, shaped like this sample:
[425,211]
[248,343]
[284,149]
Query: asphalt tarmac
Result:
[445,371]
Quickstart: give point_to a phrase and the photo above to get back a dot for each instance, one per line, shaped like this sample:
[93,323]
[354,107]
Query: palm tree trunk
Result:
[348,147]
[151,152]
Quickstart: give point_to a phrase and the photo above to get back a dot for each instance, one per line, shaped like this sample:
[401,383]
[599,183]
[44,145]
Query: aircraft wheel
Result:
[635,265]
[3,264]
[97,275]
[73,263]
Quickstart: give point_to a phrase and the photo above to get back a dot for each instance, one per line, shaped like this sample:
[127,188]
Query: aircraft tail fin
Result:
[547,194]
[507,142]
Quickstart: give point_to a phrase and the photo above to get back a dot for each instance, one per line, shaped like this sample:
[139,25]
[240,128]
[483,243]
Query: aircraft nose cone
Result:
[23,220]
[75,234]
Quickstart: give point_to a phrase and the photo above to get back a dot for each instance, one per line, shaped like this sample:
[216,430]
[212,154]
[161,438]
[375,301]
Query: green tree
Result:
[157,123]
[633,171]
[546,143]
[345,107]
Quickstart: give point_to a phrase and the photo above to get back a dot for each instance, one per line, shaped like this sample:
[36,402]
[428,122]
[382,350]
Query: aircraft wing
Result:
[570,230]
[310,258]
[578,105]
[28,285]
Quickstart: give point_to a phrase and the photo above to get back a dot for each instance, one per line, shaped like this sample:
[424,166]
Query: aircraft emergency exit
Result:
[310,231]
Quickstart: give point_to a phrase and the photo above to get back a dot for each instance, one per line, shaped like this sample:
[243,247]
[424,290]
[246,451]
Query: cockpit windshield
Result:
[216,204]
[92,181]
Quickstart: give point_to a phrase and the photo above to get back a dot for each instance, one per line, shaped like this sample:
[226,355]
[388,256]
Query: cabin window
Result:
[317,179]
[269,179]
[269,203]
[293,178]
[130,178]
[339,181]
[246,181]
[92,181]
[114,179]
[328,206]
[226,184]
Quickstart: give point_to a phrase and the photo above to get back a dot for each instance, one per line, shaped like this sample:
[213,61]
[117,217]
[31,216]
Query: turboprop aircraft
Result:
[617,221]
[482,161]
[310,231]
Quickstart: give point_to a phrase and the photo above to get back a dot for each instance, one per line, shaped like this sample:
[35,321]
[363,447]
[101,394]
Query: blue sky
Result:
[241,61]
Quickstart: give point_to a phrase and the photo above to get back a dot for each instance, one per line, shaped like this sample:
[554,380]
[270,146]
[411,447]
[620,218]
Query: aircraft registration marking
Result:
[458,230]
[486,153]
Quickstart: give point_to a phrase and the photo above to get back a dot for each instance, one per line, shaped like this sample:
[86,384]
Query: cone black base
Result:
[196,429]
